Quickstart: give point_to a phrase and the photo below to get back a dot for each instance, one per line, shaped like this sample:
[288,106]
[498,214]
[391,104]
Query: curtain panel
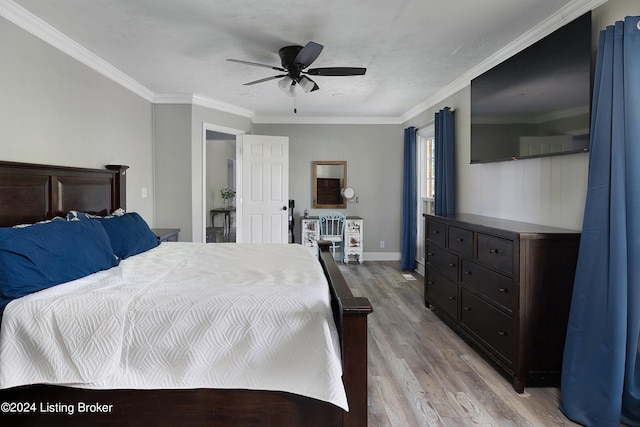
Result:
[601,369]
[409,201]
[444,198]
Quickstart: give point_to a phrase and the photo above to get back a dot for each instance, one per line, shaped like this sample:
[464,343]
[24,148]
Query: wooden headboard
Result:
[31,192]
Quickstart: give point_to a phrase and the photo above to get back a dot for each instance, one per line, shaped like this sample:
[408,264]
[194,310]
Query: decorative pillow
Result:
[129,234]
[77,215]
[47,254]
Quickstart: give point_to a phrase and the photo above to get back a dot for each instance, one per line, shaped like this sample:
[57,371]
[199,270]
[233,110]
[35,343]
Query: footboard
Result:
[350,314]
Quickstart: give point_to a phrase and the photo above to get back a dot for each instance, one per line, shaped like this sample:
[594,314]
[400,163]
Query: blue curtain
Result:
[445,199]
[601,369]
[409,202]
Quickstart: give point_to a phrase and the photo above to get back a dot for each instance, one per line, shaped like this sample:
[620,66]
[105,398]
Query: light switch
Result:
[144,192]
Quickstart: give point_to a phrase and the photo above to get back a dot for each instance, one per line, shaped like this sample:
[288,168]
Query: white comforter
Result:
[182,315]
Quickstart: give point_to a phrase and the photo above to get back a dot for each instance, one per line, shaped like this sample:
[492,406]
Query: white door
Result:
[264,200]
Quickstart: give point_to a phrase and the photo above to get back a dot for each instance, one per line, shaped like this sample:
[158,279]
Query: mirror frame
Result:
[314,183]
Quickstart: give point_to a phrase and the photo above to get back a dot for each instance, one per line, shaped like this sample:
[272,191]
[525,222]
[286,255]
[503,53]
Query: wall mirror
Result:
[329,178]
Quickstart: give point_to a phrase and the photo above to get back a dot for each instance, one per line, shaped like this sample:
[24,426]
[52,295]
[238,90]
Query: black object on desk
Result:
[292,237]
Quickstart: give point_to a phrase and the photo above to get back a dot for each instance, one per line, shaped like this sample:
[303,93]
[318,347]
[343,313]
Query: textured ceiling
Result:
[411,48]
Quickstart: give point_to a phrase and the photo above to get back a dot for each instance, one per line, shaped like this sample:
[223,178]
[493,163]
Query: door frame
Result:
[203,196]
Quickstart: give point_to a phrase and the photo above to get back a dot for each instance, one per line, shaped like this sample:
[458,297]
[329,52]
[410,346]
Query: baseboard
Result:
[381,256]
[420,268]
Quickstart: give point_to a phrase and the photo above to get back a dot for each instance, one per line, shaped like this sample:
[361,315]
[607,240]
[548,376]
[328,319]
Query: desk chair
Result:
[332,230]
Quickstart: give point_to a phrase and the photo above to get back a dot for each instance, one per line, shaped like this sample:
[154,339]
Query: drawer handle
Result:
[452,265]
[436,232]
[451,298]
[467,308]
[502,290]
[430,254]
[502,333]
[429,283]
[459,240]
[493,251]
[467,273]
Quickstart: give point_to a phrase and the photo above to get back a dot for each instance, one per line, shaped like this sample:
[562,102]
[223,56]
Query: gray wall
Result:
[55,110]
[374,169]
[172,159]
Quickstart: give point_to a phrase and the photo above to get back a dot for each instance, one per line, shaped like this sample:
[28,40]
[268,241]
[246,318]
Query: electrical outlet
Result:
[382,243]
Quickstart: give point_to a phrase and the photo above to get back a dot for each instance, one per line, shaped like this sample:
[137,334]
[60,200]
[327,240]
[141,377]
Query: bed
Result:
[30,193]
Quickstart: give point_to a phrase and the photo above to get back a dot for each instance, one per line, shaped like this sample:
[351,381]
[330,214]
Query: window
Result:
[425,145]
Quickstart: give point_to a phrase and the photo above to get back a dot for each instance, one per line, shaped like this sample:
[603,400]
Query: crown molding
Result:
[203,101]
[565,15]
[34,25]
[349,120]
[39,28]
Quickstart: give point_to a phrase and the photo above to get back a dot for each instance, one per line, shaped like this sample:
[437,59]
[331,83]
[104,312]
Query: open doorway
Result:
[263,219]
[220,187]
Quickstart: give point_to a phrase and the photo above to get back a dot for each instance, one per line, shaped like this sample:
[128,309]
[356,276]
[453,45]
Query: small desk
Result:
[166,234]
[227,217]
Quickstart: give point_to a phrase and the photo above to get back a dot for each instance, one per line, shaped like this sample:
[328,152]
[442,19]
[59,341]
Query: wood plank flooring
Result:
[422,374]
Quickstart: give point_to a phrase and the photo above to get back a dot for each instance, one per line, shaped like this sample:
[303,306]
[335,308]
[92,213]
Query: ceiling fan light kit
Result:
[287,85]
[307,85]
[295,60]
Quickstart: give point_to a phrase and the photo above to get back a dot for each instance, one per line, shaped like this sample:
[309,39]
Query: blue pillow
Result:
[129,234]
[47,254]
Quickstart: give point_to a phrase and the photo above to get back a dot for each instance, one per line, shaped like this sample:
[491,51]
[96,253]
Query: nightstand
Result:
[166,234]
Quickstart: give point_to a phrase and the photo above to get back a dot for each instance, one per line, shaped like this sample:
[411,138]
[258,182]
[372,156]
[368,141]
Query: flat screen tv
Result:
[538,102]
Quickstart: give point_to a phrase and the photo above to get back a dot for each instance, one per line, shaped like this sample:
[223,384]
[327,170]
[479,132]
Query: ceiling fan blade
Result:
[263,80]
[308,54]
[336,71]
[256,64]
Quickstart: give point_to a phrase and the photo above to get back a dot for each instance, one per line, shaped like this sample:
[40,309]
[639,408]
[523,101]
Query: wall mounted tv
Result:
[538,102]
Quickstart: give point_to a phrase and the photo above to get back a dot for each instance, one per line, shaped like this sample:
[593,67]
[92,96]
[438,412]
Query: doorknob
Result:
[284,208]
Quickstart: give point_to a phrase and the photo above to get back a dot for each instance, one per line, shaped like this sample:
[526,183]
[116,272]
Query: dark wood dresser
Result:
[505,286]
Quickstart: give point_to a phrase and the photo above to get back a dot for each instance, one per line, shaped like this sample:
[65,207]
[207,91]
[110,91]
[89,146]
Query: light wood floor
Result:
[422,374]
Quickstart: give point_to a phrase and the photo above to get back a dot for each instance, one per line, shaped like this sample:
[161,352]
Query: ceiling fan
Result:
[295,60]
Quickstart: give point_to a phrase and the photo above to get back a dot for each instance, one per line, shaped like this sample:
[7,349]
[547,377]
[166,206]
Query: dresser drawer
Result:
[490,325]
[496,251]
[460,241]
[436,232]
[444,261]
[441,291]
[494,286]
